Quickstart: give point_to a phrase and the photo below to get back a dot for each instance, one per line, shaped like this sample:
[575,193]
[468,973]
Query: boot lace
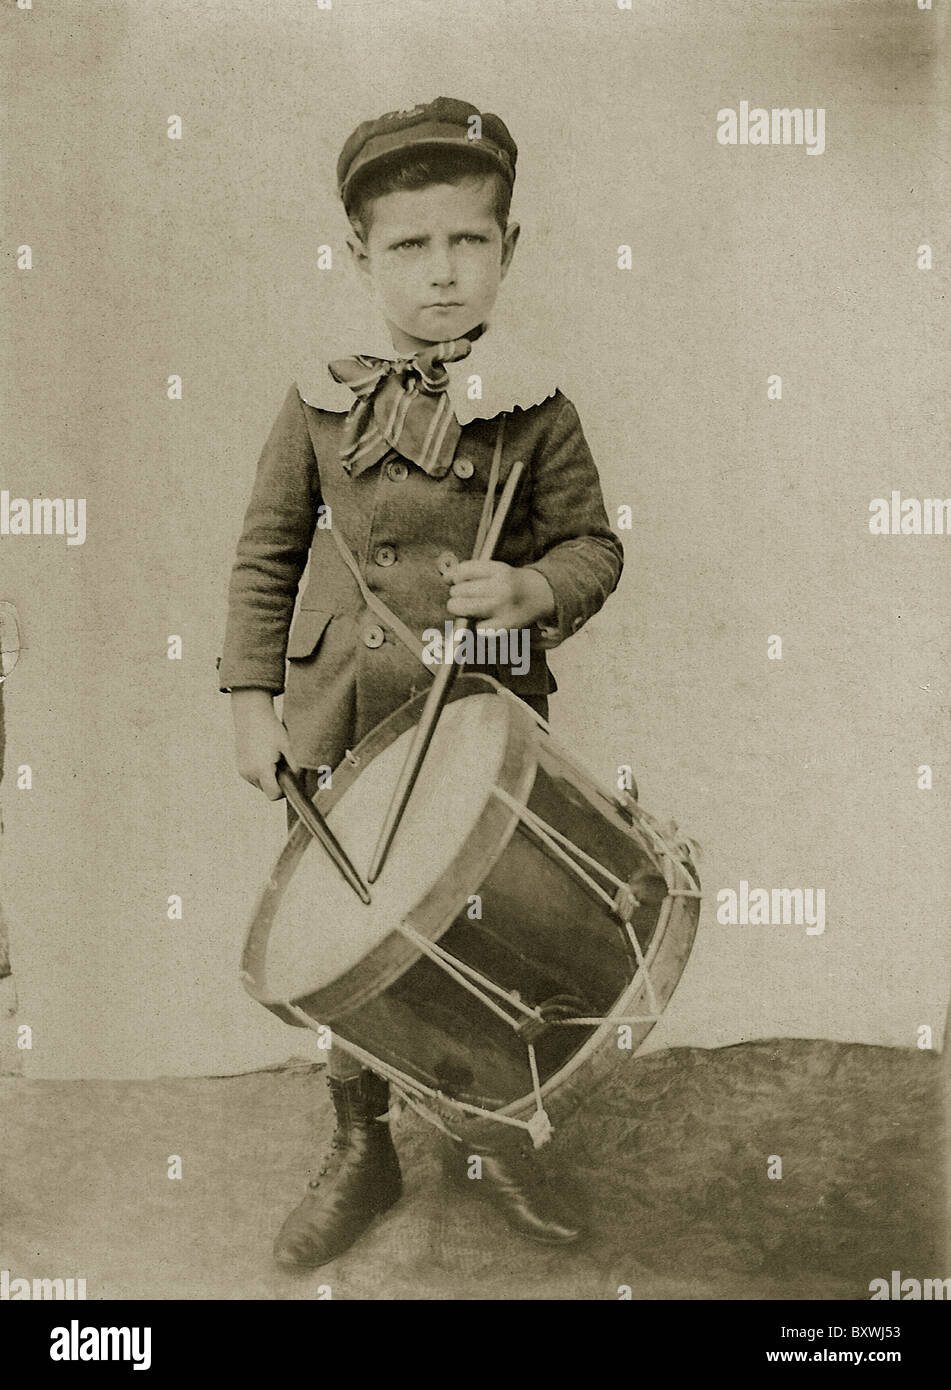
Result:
[330,1159]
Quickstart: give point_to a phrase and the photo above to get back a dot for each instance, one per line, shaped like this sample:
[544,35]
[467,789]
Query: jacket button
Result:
[385,555]
[446,562]
[373,636]
[396,470]
[463,468]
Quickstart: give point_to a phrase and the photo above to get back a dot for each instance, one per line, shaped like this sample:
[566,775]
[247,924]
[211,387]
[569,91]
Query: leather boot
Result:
[515,1183]
[359,1177]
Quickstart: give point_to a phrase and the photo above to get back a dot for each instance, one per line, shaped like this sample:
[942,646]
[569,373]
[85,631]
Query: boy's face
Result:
[436,257]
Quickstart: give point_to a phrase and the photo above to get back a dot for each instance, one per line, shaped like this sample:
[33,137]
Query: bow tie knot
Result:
[425,368]
[401,405]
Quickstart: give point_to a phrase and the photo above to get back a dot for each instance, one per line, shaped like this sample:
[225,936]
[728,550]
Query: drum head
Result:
[320,929]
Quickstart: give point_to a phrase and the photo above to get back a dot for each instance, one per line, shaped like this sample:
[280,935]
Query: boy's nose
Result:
[442,269]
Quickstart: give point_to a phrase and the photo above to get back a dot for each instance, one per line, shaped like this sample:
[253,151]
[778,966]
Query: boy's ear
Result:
[509,242]
[358,254]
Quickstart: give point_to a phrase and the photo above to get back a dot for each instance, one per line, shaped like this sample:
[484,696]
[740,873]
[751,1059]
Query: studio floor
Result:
[670,1153]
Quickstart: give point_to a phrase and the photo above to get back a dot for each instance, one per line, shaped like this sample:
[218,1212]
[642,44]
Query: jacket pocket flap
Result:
[307,630]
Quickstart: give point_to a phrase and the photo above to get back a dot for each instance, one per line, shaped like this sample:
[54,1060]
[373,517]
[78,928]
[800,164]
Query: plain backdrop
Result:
[199,258]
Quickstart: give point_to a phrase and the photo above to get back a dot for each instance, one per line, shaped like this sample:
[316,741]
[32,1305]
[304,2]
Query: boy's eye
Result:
[413,243]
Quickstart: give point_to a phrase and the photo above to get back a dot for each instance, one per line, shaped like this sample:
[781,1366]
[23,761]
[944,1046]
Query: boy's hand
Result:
[260,740]
[500,596]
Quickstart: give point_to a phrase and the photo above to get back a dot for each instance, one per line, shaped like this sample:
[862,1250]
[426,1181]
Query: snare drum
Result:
[524,915]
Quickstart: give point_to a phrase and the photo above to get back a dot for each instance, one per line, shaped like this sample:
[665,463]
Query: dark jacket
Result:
[345,670]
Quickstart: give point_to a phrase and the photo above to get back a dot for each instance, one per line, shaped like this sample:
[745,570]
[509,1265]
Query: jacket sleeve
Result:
[579,554]
[271,555]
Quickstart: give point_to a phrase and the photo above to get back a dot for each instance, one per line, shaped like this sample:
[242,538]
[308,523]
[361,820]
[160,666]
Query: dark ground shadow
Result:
[669,1153]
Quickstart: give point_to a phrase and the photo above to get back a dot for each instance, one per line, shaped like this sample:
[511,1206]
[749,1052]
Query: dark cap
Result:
[442,122]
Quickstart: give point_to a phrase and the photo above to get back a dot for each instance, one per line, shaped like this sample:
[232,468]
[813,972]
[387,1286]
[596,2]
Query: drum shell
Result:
[512,909]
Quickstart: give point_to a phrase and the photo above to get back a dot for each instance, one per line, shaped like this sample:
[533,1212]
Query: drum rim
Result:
[435,912]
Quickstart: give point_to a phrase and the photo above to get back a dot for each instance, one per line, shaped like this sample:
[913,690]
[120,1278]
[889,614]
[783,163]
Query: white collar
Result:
[511,372]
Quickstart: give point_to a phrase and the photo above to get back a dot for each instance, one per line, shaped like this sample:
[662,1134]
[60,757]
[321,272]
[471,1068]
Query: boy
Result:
[405,454]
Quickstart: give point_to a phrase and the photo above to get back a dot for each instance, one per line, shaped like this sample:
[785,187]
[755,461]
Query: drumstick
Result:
[318,827]
[438,694]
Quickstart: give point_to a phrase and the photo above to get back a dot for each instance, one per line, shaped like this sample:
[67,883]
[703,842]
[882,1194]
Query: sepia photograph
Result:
[475,714]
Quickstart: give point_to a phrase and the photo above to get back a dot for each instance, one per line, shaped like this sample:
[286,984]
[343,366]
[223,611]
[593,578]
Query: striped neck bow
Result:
[401,405]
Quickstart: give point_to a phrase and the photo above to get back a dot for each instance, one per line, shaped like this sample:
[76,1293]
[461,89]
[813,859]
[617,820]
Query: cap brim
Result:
[386,146]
